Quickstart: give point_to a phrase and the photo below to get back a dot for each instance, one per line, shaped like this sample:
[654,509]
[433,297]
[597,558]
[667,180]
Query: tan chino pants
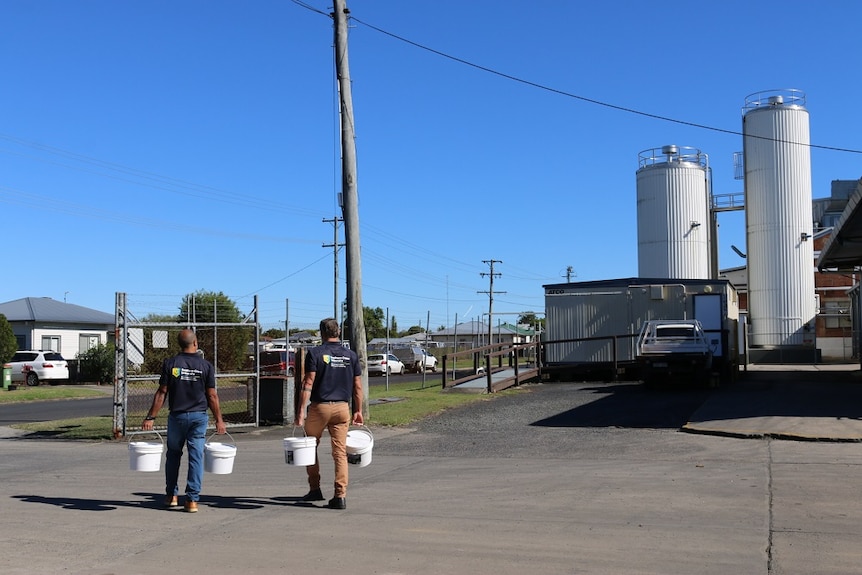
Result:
[335,418]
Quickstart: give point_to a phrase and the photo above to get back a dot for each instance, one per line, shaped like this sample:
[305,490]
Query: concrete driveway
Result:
[534,482]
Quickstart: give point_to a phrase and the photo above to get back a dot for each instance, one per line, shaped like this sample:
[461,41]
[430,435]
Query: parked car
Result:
[416,359]
[35,366]
[383,363]
[277,362]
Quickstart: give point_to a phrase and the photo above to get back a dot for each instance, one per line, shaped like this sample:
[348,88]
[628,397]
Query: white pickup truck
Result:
[416,359]
[674,350]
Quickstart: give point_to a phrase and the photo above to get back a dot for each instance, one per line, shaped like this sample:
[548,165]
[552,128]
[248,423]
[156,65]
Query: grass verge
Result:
[410,402]
[43,393]
[91,428]
[402,404]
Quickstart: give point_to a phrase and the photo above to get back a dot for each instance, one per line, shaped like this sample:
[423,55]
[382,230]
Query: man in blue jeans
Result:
[188,382]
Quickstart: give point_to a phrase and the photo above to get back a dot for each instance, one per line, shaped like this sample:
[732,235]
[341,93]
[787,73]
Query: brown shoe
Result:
[190,506]
[171,501]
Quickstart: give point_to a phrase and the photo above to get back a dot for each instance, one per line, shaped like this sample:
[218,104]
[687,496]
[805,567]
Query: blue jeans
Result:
[190,429]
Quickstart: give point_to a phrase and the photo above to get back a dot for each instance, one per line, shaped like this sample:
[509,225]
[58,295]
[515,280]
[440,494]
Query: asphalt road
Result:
[555,479]
[620,405]
[34,411]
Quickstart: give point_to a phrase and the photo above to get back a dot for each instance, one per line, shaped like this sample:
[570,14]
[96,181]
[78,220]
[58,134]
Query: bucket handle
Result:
[304,434]
[232,440]
[153,432]
[361,426]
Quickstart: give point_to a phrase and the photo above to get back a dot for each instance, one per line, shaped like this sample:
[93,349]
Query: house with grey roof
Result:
[471,334]
[45,323]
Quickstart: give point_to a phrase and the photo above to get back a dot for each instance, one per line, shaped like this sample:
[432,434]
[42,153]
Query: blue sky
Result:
[160,148]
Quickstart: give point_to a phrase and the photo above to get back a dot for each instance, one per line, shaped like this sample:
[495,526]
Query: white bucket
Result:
[360,442]
[145,455]
[300,451]
[219,457]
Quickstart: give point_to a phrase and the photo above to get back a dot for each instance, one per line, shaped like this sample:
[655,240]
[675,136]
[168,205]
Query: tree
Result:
[211,307]
[393,327]
[97,364]
[274,333]
[531,319]
[8,343]
[208,307]
[375,325]
[198,308]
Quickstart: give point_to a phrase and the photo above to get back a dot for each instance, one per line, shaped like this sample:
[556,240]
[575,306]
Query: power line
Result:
[590,100]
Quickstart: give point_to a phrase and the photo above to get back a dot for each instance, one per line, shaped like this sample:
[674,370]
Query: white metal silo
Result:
[673,213]
[781,296]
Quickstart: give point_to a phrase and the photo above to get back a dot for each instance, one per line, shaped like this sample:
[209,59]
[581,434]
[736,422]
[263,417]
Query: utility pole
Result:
[569,272]
[334,245]
[491,293]
[350,207]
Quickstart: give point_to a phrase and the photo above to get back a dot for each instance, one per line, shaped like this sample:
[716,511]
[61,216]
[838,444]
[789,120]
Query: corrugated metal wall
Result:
[673,220]
[781,296]
[577,314]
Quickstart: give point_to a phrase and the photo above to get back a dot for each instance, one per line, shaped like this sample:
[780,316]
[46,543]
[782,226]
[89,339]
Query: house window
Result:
[50,342]
[87,341]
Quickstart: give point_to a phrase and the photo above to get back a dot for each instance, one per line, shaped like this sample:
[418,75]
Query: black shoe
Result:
[313,495]
[337,503]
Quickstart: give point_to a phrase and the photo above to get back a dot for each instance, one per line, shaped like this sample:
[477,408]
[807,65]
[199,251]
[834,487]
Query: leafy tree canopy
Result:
[375,322]
[209,307]
[8,343]
[531,319]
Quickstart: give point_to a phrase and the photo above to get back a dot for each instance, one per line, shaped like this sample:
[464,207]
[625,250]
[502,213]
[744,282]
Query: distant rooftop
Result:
[45,309]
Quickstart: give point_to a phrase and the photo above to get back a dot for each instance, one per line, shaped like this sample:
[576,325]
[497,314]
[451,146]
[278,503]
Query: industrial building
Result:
[785,311]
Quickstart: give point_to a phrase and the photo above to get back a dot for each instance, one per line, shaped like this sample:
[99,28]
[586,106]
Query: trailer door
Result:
[707,310]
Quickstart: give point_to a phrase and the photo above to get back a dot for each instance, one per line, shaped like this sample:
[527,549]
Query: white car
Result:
[383,363]
[35,366]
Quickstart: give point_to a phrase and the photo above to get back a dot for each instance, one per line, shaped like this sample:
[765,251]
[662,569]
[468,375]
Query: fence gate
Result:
[141,346]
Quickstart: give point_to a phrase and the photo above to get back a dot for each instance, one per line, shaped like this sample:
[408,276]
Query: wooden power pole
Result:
[491,293]
[350,200]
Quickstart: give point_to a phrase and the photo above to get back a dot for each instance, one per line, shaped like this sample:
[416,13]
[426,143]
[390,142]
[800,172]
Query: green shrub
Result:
[97,364]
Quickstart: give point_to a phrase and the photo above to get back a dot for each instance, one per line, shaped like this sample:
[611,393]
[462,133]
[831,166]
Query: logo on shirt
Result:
[336,360]
[186,374]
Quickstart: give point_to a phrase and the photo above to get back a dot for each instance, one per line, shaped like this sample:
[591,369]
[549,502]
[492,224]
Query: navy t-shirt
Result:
[187,376]
[335,366]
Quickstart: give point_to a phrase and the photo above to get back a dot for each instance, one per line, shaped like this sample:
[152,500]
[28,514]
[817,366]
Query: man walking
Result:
[333,376]
[188,382]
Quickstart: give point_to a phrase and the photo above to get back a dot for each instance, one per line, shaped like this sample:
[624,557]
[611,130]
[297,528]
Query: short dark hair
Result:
[329,328]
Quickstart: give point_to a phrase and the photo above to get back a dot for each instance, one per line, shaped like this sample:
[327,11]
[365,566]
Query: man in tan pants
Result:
[333,377]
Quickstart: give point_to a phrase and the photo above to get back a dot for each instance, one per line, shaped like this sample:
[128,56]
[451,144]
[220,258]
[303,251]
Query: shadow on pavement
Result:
[631,405]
